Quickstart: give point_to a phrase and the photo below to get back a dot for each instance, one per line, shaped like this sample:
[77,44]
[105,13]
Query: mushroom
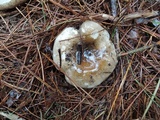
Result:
[8,4]
[87,56]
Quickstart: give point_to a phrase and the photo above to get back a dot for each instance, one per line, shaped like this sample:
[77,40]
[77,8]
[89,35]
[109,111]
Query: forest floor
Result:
[32,88]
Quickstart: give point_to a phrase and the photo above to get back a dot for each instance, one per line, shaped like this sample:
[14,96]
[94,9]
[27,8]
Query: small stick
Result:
[131,16]
[144,14]
[79,54]
[139,49]
[114,13]
[79,51]
[60,59]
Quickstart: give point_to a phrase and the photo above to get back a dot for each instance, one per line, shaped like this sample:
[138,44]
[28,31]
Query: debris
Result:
[13,97]
[10,116]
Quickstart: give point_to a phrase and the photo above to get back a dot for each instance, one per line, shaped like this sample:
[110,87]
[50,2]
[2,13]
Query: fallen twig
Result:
[139,49]
[135,15]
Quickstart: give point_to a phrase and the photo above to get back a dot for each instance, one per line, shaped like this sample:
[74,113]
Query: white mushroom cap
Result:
[8,4]
[98,55]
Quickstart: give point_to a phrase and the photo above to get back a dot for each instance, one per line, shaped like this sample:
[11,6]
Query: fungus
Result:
[8,4]
[87,56]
